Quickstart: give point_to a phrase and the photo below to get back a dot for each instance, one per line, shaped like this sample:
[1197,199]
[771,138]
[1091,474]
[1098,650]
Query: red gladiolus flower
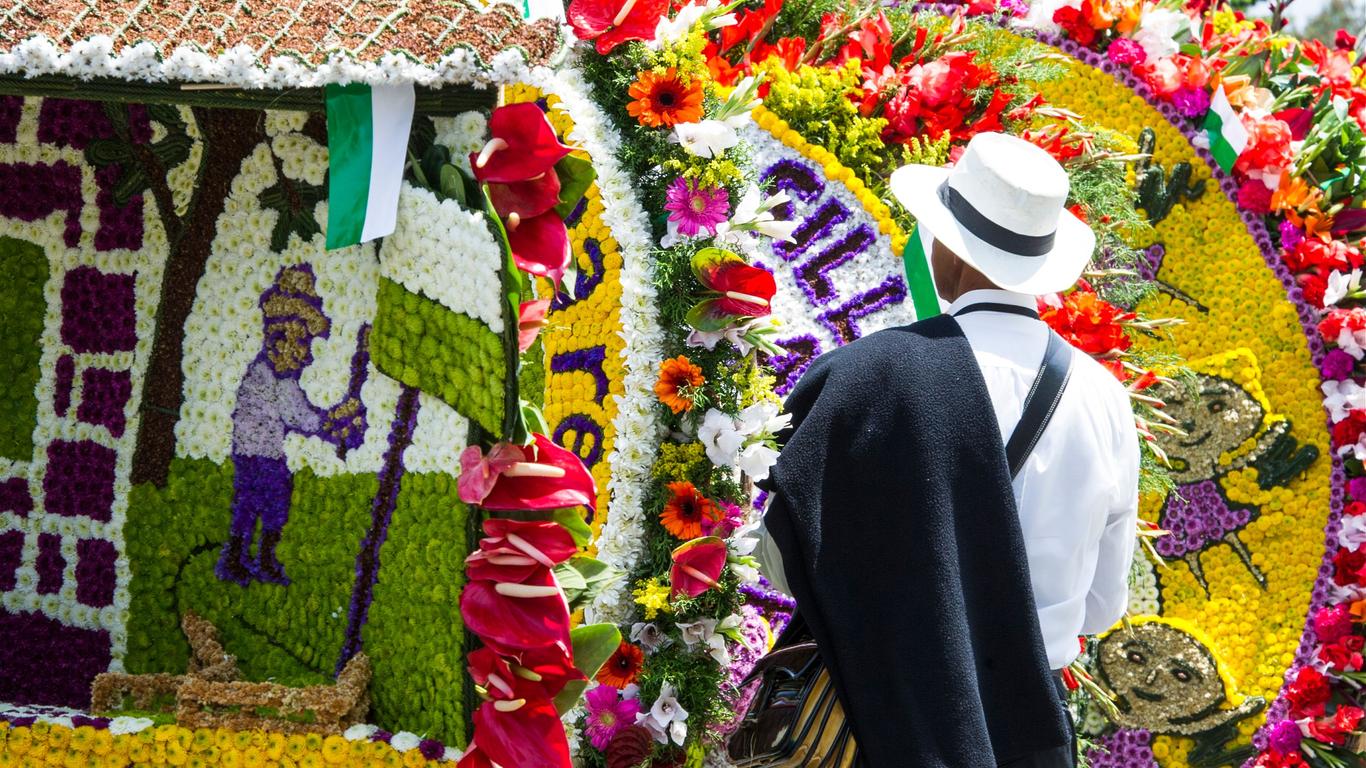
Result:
[523,732]
[1089,323]
[735,289]
[530,321]
[613,22]
[1335,731]
[511,617]
[540,245]
[697,566]
[524,146]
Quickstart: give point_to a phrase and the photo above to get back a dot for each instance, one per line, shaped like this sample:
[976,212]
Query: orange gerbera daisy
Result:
[677,375]
[663,101]
[623,667]
[684,513]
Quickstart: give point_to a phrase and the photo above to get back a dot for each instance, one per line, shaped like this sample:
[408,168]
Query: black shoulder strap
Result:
[1044,396]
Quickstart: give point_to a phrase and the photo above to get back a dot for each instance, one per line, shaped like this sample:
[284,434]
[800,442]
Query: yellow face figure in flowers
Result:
[1221,417]
[1167,681]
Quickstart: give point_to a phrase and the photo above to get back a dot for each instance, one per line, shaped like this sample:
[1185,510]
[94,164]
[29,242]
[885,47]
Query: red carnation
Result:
[1346,564]
[1308,694]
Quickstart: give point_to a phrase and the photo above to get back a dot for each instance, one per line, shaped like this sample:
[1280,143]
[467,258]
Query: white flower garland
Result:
[622,540]
[243,67]
[876,263]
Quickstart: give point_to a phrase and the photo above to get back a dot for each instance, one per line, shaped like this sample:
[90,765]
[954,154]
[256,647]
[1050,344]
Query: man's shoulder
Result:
[1098,385]
[892,343]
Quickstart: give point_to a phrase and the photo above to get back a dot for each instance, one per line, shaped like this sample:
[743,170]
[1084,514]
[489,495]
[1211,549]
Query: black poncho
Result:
[900,539]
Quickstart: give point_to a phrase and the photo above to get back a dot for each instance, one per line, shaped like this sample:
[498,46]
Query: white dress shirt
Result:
[1077,494]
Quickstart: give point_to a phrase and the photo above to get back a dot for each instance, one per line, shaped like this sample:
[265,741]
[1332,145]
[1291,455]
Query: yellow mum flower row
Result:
[171,745]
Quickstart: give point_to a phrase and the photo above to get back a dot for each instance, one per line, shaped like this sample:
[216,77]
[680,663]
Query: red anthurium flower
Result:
[522,732]
[551,664]
[505,679]
[547,477]
[530,321]
[511,617]
[516,549]
[524,146]
[735,289]
[613,22]
[473,758]
[478,472]
[529,198]
[540,245]
[697,566]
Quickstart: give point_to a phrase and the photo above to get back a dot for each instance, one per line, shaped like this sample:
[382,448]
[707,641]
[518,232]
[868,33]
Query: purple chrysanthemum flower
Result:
[1291,235]
[1191,102]
[695,208]
[1285,737]
[608,713]
[431,749]
[1337,365]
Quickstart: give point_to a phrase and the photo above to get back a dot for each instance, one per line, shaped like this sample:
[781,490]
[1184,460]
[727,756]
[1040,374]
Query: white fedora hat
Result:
[1001,209]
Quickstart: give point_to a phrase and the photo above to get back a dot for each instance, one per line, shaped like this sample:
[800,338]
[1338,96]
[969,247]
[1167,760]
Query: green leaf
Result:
[576,175]
[572,582]
[433,159]
[452,185]
[572,520]
[703,316]
[535,422]
[583,579]
[593,646]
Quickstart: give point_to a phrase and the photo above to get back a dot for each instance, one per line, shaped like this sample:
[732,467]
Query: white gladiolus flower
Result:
[709,138]
[1340,285]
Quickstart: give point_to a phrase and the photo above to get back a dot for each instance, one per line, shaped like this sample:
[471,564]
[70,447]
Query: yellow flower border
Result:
[171,745]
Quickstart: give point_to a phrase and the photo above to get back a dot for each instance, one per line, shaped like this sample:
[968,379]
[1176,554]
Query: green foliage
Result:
[23,275]
[414,636]
[293,634]
[593,645]
[443,353]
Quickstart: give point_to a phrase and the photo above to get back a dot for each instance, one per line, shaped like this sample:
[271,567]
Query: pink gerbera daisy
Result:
[695,208]
[608,714]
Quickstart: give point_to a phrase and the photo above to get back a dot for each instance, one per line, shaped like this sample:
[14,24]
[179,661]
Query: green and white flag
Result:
[1227,136]
[918,275]
[543,9]
[367,144]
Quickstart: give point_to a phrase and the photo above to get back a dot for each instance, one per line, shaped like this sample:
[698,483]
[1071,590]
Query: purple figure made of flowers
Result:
[270,404]
[1219,417]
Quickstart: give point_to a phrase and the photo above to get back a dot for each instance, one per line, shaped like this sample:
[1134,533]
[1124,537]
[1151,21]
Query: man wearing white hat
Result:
[950,529]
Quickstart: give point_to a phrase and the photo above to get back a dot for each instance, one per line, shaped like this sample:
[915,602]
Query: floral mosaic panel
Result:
[309,505]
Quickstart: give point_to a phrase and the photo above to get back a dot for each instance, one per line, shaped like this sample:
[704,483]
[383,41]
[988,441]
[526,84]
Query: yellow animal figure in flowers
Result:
[1228,425]
[1166,680]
